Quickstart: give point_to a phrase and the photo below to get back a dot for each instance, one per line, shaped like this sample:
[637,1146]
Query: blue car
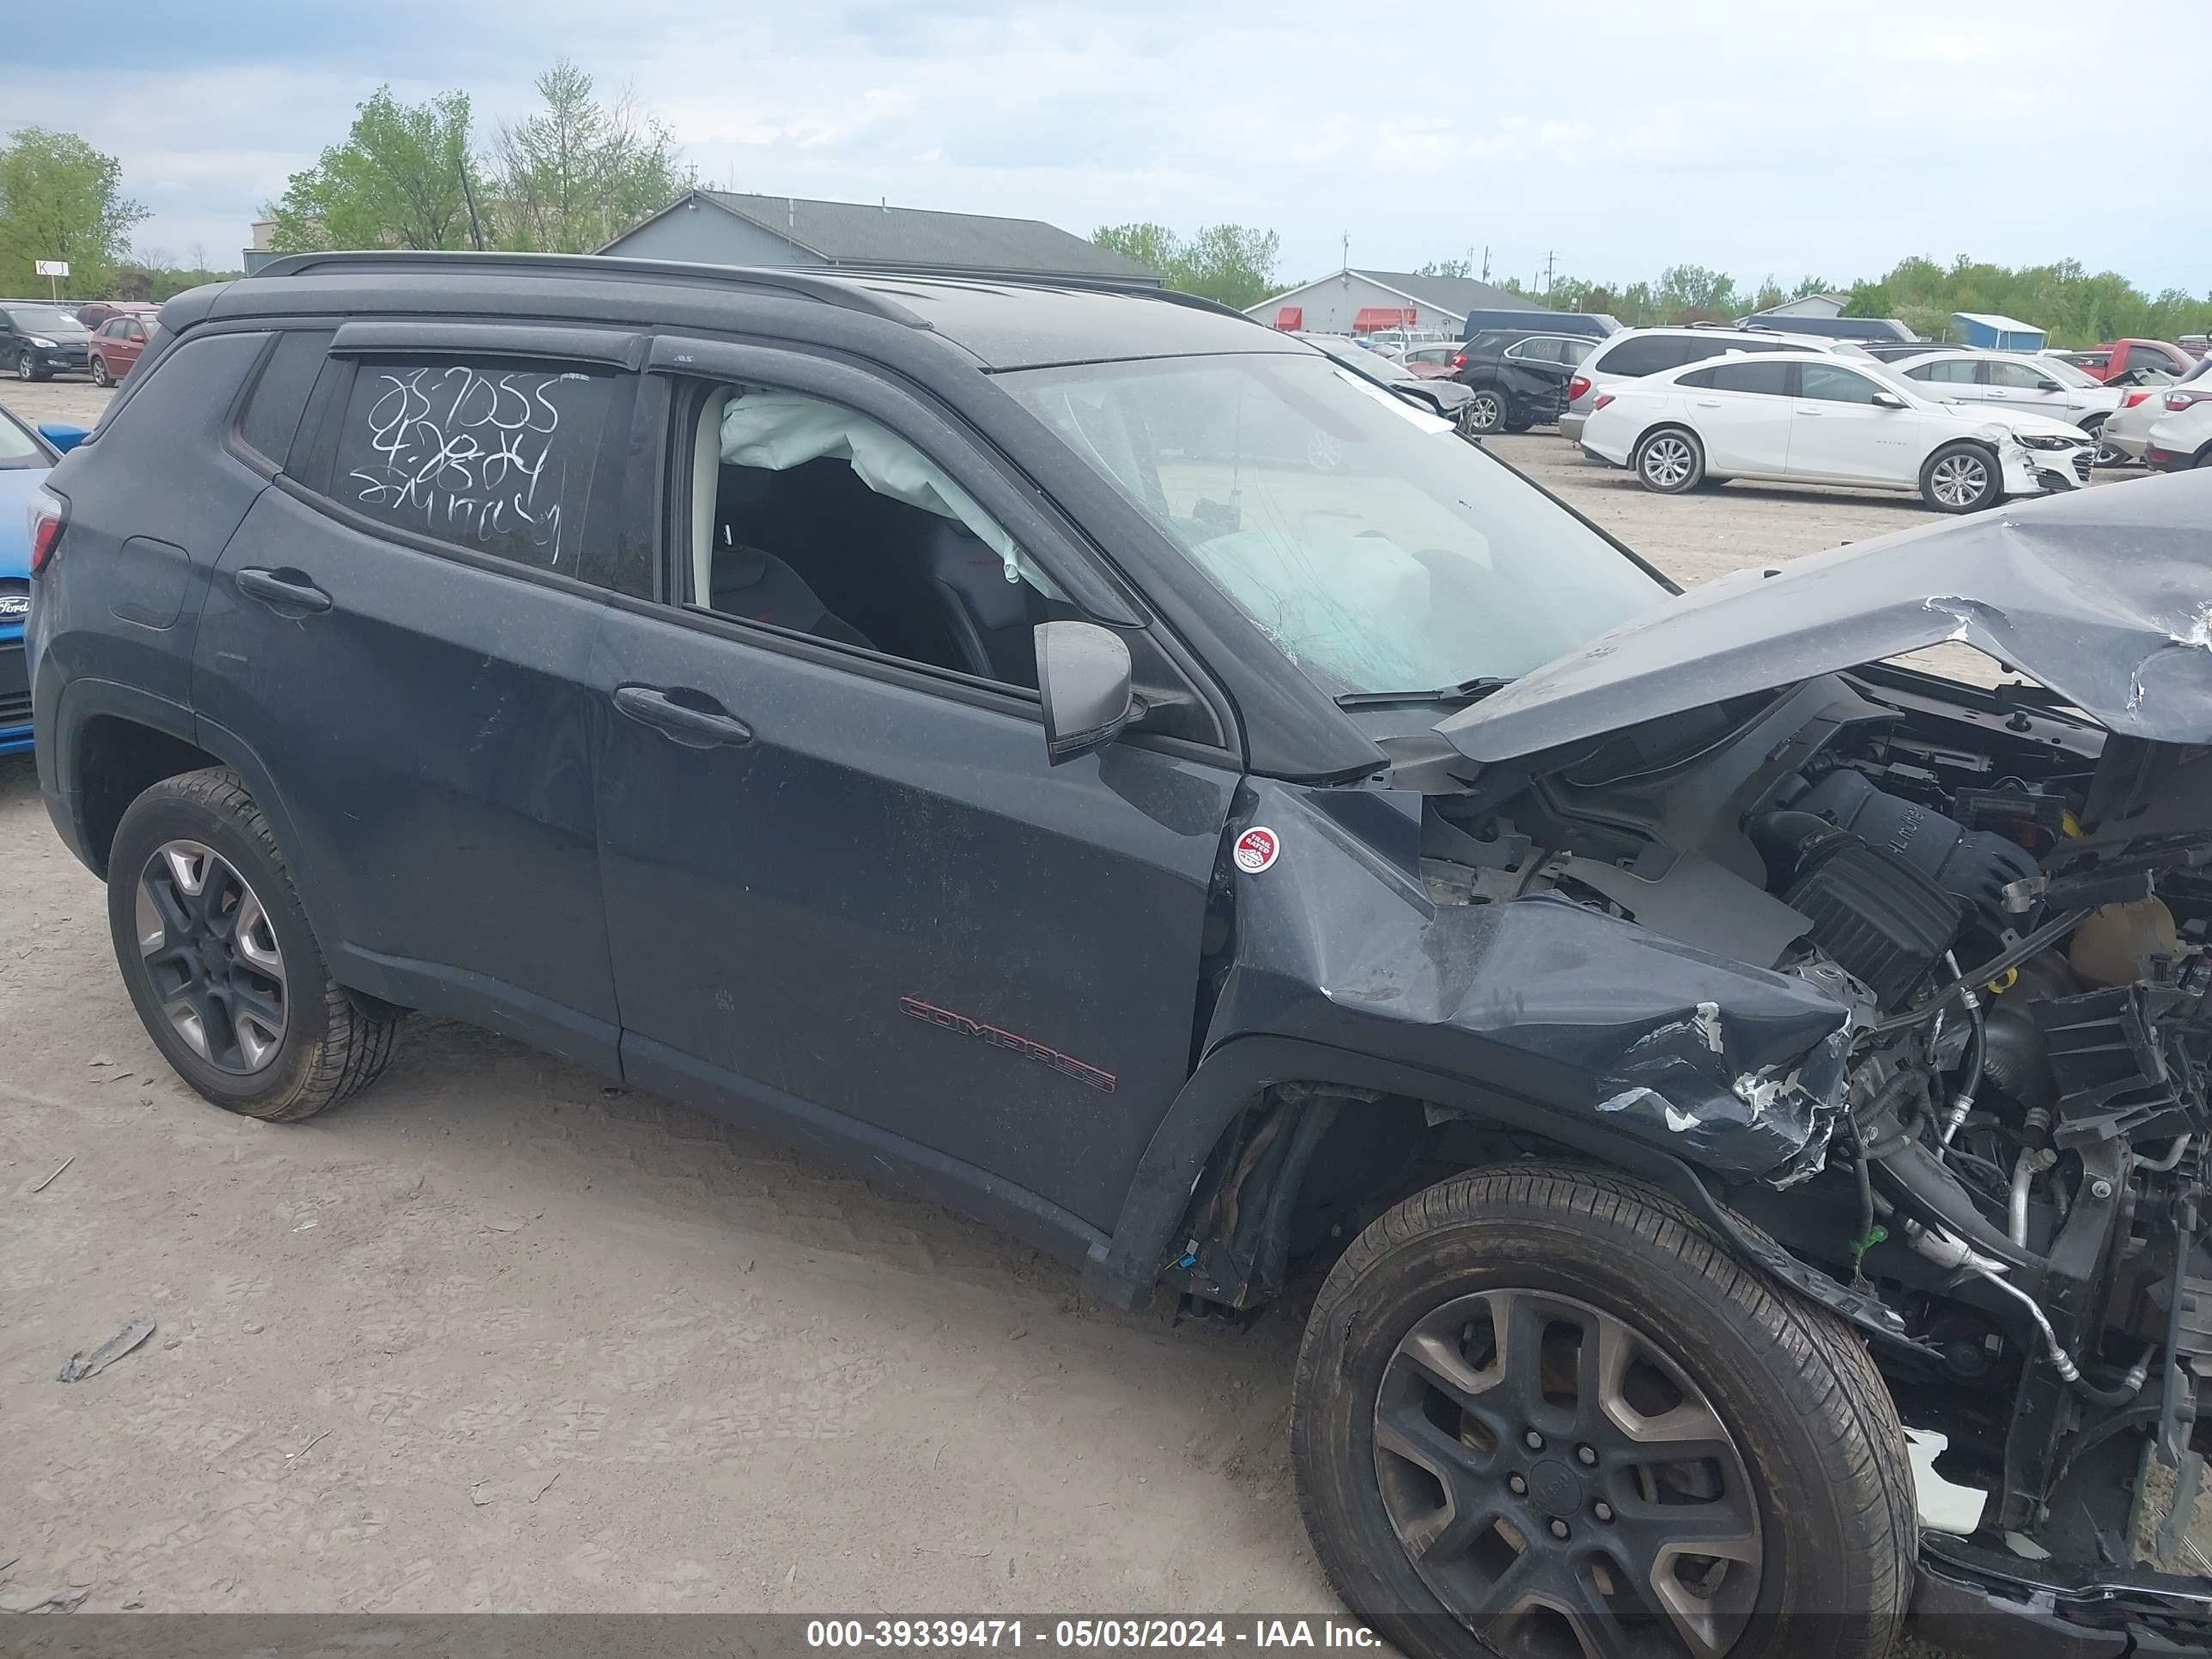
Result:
[25,457]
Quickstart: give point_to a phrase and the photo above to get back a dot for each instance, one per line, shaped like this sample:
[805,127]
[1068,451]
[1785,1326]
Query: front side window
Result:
[493,458]
[1376,549]
[2017,377]
[817,520]
[1828,383]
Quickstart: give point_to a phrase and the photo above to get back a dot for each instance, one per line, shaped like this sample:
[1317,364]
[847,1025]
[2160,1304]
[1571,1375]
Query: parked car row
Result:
[40,338]
[27,454]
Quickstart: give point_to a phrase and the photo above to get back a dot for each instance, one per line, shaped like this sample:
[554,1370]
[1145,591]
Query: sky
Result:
[1612,138]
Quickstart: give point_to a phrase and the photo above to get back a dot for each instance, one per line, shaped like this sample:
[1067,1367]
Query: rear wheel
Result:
[99,374]
[1544,1406]
[1961,477]
[1485,410]
[1670,460]
[221,963]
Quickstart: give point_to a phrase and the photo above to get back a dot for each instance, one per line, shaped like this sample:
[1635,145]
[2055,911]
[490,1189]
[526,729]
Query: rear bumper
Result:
[2167,460]
[1982,1606]
[1570,426]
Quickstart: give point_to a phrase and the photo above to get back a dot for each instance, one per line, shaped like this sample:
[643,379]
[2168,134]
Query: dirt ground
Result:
[496,1336]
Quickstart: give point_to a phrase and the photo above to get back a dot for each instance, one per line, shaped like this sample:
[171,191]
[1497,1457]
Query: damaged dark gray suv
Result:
[1103,762]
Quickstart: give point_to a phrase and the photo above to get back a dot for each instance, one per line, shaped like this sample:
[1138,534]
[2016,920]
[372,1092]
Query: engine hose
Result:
[2020,951]
[2024,1167]
[2061,1361]
[1926,1189]
[1976,1047]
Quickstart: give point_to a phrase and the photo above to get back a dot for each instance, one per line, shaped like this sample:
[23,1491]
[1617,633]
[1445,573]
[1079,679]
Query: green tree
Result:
[61,199]
[1235,264]
[402,179]
[573,176]
[1446,267]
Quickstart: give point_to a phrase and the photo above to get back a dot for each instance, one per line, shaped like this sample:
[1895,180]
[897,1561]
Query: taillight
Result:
[1458,360]
[1601,400]
[1577,387]
[2178,401]
[2129,399]
[49,513]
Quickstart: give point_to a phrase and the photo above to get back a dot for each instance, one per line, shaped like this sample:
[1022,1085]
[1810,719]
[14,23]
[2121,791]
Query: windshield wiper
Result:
[1472,690]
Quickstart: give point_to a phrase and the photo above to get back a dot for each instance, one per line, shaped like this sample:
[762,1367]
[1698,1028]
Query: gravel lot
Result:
[497,1336]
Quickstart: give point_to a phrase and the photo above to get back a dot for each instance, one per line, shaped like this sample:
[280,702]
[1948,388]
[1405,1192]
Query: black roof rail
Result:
[842,290]
[1047,279]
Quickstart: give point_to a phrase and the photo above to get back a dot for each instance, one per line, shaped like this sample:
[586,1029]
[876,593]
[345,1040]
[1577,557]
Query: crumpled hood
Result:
[2105,595]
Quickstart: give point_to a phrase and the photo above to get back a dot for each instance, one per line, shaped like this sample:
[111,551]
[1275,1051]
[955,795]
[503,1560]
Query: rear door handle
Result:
[1811,414]
[695,728]
[283,591]
[1706,403]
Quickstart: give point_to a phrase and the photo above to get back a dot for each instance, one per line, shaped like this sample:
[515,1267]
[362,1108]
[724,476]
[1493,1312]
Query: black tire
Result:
[1805,1417]
[100,375]
[1947,478]
[328,1043]
[1518,426]
[1670,459]
[1485,410]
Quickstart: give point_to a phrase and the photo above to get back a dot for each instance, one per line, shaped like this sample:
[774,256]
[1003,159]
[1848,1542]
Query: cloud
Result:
[1612,138]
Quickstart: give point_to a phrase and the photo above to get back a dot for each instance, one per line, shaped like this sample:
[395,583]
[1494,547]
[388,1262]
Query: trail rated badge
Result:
[1257,849]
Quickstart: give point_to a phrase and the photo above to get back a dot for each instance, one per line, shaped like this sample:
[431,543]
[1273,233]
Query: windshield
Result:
[1377,551]
[1373,364]
[44,320]
[2064,373]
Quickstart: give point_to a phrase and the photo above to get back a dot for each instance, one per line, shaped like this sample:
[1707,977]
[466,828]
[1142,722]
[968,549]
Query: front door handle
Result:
[283,591]
[695,728]
[1706,403]
[1811,414]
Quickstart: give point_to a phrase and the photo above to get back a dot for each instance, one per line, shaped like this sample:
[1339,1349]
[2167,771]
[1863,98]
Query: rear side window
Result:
[497,458]
[1771,379]
[278,399]
[1648,356]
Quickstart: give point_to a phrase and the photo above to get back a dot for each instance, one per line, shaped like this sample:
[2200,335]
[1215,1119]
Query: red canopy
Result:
[1373,318]
[1288,317]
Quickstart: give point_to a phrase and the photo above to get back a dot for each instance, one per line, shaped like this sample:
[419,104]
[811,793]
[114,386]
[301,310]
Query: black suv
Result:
[1519,379]
[1094,757]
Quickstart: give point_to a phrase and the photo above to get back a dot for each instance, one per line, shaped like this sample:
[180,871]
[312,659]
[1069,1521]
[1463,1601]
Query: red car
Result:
[2118,357]
[115,345]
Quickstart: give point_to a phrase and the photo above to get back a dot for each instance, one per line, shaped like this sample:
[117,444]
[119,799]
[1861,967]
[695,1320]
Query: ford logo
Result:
[14,606]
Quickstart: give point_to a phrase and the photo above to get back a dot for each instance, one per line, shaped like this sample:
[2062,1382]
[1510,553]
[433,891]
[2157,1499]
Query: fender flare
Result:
[78,701]
[1123,1269]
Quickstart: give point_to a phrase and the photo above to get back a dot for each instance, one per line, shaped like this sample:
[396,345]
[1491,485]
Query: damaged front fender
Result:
[1735,1069]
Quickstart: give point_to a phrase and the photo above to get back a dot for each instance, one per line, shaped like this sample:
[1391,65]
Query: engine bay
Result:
[2004,1142]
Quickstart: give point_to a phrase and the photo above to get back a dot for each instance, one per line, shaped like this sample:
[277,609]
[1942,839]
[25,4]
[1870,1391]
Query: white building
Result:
[1350,301]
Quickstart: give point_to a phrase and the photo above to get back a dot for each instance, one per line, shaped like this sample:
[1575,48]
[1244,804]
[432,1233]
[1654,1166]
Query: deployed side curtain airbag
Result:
[778,430]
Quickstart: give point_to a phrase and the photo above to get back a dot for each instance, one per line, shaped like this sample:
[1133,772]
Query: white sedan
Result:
[1810,417]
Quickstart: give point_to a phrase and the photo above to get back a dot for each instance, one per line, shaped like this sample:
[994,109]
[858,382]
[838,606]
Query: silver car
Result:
[2142,408]
[1635,352]
[2017,380]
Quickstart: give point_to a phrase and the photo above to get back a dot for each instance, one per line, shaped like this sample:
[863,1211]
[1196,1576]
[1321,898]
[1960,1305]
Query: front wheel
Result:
[1544,1407]
[220,964]
[26,367]
[1961,477]
[1670,460]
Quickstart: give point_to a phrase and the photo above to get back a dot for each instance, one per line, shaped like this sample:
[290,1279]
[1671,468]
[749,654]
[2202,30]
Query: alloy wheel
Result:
[1959,480]
[1668,461]
[25,369]
[1486,412]
[210,951]
[1562,1483]
[99,369]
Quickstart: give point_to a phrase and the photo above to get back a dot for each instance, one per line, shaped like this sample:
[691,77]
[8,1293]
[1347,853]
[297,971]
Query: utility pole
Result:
[1348,249]
[1485,262]
[1550,257]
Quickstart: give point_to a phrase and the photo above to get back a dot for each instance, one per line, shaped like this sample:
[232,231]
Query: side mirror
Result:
[64,438]
[2049,386]
[1889,400]
[1084,672]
